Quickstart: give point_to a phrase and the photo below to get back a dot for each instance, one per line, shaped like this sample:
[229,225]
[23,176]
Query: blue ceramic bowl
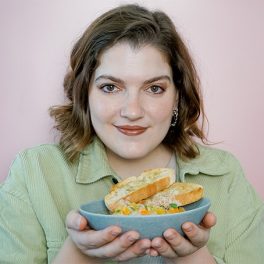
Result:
[149,226]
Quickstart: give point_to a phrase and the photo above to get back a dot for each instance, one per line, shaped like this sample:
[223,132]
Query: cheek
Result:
[101,111]
[162,113]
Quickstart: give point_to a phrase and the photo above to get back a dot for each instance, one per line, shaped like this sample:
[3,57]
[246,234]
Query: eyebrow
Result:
[151,80]
[109,77]
[158,78]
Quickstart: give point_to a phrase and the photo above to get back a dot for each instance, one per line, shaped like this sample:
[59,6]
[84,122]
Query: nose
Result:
[132,107]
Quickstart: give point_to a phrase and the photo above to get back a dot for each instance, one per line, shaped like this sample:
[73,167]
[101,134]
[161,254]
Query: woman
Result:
[133,104]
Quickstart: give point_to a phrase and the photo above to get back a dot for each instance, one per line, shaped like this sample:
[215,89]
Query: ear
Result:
[175,106]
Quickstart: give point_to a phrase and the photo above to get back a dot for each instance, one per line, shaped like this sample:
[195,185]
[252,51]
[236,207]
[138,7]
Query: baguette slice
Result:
[135,189]
[181,193]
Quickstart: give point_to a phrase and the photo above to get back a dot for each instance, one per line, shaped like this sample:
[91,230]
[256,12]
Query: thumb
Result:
[76,221]
[209,220]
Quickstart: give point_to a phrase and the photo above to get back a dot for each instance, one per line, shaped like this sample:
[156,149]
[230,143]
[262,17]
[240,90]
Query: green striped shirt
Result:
[42,187]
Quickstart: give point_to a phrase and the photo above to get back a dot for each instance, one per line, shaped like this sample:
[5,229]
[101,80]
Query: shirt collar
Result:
[93,163]
[210,162]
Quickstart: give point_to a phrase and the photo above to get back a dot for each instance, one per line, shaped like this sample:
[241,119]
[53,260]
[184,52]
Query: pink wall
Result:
[226,39]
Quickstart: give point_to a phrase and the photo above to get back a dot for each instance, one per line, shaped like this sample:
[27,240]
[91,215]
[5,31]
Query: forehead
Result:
[123,59]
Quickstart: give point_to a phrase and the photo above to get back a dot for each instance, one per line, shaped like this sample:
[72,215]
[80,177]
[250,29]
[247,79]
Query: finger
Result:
[138,249]
[209,220]
[90,239]
[75,221]
[116,247]
[198,235]
[161,247]
[178,243]
[152,252]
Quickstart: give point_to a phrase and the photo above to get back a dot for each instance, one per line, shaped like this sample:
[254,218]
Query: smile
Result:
[131,130]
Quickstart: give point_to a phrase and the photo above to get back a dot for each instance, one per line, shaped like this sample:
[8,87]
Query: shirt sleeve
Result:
[22,238]
[245,231]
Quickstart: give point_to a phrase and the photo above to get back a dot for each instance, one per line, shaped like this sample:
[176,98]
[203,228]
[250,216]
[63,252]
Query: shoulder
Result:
[217,154]
[43,148]
[44,151]
[43,165]
[29,165]
[218,157]
[211,161]
[49,156]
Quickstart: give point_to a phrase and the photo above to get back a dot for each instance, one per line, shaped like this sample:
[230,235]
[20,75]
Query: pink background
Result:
[226,39]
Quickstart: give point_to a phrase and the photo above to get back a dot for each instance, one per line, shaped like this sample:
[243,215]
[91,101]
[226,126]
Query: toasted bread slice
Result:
[181,193]
[135,189]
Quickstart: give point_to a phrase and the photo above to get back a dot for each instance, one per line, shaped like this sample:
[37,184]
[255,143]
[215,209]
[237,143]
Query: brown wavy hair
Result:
[137,26]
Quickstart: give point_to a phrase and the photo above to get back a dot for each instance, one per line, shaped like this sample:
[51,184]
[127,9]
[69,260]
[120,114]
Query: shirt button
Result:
[114,180]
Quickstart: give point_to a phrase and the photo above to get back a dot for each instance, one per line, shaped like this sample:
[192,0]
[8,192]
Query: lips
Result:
[131,130]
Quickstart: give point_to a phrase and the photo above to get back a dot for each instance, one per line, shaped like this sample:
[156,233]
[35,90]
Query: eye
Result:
[109,88]
[155,89]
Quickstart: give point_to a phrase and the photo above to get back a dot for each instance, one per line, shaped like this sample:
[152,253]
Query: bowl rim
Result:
[206,200]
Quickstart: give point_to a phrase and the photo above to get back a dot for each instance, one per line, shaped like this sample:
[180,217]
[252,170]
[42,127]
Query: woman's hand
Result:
[106,243]
[174,247]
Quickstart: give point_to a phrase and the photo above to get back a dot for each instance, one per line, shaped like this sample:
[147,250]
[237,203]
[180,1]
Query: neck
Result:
[125,168]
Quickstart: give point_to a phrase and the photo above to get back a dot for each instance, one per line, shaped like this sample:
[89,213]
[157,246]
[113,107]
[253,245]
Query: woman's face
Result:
[131,98]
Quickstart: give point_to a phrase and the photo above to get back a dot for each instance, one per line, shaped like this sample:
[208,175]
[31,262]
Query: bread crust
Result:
[181,193]
[147,191]
[135,189]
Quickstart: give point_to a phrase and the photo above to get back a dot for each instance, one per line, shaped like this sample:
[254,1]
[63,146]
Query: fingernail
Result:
[158,245]
[168,235]
[115,233]
[187,227]
[132,238]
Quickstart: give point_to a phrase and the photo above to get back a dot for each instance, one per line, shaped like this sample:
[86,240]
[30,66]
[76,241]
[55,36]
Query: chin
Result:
[135,152]
[132,156]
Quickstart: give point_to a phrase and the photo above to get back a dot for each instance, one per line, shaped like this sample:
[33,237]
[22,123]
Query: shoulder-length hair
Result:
[137,26]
